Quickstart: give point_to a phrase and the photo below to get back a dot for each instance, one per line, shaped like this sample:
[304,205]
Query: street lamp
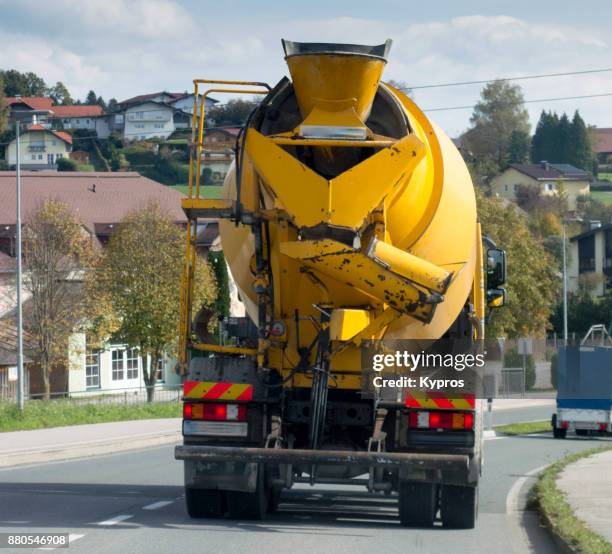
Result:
[20,374]
[564,222]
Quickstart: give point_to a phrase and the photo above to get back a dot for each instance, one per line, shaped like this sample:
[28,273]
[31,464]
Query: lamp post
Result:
[564,222]
[20,373]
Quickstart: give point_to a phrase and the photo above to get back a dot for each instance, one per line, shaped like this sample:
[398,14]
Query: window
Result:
[118,364]
[78,121]
[87,121]
[506,188]
[161,370]
[33,156]
[139,115]
[516,188]
[40,156]
[139,125]
[159,125]
[92,369]
[549,187]
[132,363]
[50,159]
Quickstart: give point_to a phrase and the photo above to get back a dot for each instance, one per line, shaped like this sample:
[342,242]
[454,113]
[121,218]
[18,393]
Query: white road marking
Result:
[513,498]
[115,520]
[157,505]
[71,538]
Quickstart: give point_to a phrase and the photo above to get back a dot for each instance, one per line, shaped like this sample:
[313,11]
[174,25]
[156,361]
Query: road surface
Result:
[132,502]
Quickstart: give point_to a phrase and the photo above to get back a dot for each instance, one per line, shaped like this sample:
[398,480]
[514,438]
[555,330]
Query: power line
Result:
[540,76]
[524,102]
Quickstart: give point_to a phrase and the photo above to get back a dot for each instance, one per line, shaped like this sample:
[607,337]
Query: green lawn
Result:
[205,192]
[524,428]
[40,414]
[607,176]
[603,196]
[559,513]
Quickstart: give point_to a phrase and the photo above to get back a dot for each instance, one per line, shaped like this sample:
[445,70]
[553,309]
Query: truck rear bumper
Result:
[204,453]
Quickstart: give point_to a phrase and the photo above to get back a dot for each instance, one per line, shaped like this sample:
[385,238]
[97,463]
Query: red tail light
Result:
[441,420]
[214,411]
[565,424]
[602,426]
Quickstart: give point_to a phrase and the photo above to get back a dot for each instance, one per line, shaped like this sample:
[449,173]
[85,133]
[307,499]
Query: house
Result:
[157,115]
[40,148]
[591,260]
[80,156]
[185,103]
[101,201]
[548,179]
[29,109]
[89,117]
[218,154]
[602,147]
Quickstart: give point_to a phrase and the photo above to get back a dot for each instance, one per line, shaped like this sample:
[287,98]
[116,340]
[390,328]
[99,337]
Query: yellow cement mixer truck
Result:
[348,219]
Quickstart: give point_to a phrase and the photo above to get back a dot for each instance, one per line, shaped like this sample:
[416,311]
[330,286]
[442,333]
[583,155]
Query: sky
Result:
[121,48]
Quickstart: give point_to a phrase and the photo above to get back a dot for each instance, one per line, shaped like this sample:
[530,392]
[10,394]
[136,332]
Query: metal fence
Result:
[512,382]
[133,395]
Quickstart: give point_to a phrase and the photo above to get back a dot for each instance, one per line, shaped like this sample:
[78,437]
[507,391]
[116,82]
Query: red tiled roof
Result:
[34,102]
[602,140]
[116,194]
[77,111]
[66,137]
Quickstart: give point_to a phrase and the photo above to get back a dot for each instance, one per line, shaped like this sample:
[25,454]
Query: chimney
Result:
[545,165]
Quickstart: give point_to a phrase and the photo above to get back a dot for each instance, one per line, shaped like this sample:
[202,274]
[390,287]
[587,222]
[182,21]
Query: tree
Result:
[222,302]
[60,95]
[66,164]
[112,105]
[235,112]
[57,250]
[582,151]
[498,114]
[91,98]
[518,149]
[23,84]
[543,142]
[3,107]
[141,274]
[563,151]
[533,283]
[101,103]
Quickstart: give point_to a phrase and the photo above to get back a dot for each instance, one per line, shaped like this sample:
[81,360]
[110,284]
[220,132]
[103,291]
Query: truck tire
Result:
[459,506]
[249,505]
[558,432]
[418,503]
[203,503]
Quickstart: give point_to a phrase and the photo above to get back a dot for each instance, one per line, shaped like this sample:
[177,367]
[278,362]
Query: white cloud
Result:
[121,48]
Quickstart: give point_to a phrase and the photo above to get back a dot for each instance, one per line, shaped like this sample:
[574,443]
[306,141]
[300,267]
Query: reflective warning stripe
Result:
[214,390]
[439,401]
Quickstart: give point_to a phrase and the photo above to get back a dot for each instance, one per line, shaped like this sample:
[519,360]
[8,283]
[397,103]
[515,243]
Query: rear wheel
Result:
[204,503]
[558,432]
[418,504]
[249,505]
[459,506]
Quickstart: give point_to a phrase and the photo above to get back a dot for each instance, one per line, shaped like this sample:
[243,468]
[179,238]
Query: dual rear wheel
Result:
[419,503]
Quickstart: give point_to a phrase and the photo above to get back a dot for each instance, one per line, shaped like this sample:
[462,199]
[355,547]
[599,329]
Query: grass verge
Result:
[603,196]
[559,514]
[524,428]
[40,414]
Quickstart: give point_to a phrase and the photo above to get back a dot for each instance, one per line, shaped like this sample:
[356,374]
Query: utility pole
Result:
[564,288]
[20,373]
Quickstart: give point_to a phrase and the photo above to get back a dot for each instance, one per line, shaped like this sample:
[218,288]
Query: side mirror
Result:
[496,298]
[496,268]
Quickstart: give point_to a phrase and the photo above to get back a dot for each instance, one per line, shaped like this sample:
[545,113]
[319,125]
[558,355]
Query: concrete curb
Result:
[87,449]
[562,545]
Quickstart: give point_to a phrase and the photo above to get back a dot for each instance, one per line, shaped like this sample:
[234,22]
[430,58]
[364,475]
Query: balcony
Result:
[37,148]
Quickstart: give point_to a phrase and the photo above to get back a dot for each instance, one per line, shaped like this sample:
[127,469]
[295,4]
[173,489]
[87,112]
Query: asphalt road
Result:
[132,502]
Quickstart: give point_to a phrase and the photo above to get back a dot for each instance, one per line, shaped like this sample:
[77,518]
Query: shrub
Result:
[513,359]
[137,154]
[66,164]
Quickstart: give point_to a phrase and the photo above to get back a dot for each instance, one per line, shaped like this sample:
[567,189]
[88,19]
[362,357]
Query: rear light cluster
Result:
[441,420]
[213,411]
[603,427]
[565,425]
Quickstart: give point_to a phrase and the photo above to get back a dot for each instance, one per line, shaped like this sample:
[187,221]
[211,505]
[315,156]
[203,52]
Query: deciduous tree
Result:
[533,283]
[141,273]
[58,254]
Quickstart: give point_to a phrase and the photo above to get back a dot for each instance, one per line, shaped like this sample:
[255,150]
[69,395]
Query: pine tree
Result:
[544,138]
[518,150]
[582,152]
[564,146]
[91,99]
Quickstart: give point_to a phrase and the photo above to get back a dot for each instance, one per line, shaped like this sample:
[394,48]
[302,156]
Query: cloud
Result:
[121,48]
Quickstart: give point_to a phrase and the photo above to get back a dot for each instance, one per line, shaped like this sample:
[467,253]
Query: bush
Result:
[554,370]
[66,164]
[513,359]
[137,154]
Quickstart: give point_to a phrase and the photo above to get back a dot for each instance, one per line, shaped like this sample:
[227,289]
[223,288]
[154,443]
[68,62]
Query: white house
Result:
[147,120]
[590,263]
[185,103]
[40,148]
[87,117]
